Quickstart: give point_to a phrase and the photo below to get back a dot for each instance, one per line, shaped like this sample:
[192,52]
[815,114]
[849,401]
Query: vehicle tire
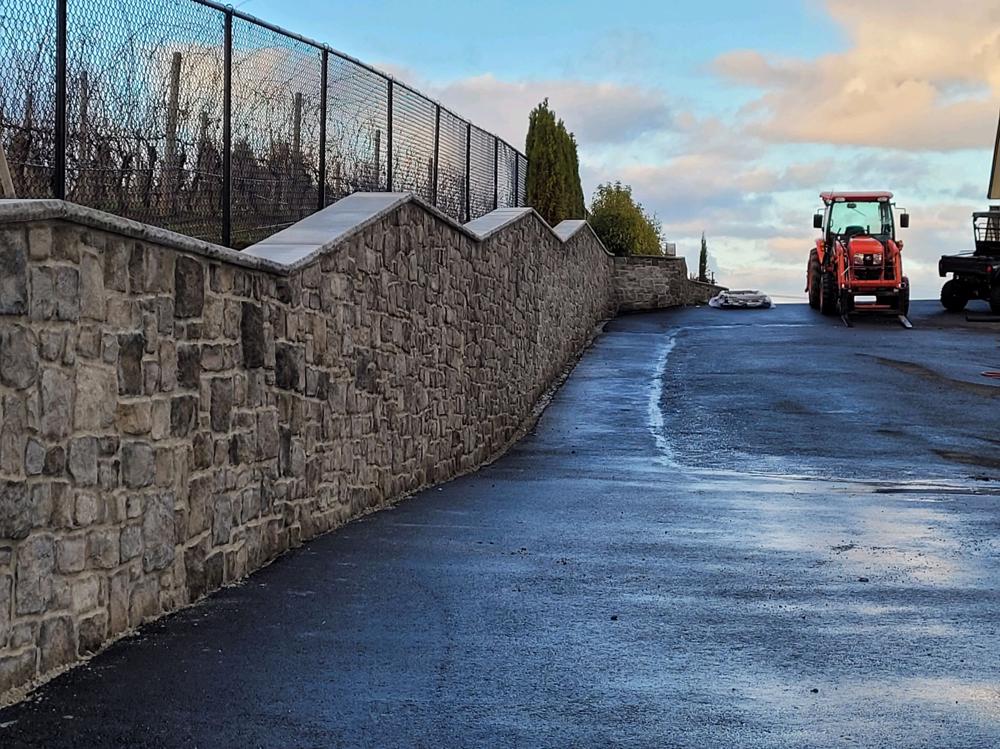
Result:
[828,294]
[995,299]
[954,297]
[814,276]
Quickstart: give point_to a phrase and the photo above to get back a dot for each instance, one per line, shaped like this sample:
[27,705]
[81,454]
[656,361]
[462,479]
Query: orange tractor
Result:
[857,265]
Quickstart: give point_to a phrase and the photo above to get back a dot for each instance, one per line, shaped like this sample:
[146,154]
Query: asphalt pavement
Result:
[728,529]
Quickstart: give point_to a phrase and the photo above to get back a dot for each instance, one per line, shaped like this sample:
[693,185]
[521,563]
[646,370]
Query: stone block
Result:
[55,461]
[138,466]
[118,603]
[93,632]
[131,542]
[222,404]
[160,420]
[289,366]
[252,335]
[183,415]
[55,294]
[189,366]
[158,532]
[96,398]
[14,278]
[86,594]
[57,403]
[17,669]
[135,417]
[103,548]
[83,461]
[130,350]
[189,287]
[267,435]
[18,356]
[6,606]
[222,519]
[34,457]
[35,564]
[16,512]
[71,554]
[92,299]
[144,601]
[88,508]
[56,643]
[39,242]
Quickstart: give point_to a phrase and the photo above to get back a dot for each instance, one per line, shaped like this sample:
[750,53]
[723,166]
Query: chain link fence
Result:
[195,117]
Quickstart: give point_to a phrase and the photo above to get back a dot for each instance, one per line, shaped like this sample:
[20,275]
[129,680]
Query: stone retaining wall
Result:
[175,415]
[649,282]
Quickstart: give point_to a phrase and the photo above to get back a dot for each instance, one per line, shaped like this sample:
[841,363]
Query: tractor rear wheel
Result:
[995,299]
[904,297]
[828,293]
[814,280]
[954,297]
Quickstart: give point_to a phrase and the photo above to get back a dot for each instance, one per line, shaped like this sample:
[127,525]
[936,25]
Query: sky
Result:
[725,117]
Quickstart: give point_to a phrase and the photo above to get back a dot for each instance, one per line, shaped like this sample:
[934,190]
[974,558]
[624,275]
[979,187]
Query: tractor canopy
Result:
[855,197]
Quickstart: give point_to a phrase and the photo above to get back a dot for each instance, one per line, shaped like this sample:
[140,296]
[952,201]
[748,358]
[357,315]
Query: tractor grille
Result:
[868,274]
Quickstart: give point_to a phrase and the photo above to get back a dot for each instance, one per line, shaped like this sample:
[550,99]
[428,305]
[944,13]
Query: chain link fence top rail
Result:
[191,116]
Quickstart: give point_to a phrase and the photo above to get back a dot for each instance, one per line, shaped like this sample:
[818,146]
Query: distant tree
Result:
[553,182]
[703,259]
[622,223]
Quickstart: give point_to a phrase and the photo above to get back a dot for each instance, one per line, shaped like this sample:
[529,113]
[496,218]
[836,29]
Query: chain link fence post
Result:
[468,172]
[227,131]
[59,134]
[437,153]
[388,143]
[496,173]
[321,200]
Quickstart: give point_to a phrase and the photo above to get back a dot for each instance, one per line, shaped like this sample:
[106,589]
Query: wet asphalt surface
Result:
[754,529]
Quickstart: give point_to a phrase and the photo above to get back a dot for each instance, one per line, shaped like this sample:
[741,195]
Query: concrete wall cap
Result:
[25,210]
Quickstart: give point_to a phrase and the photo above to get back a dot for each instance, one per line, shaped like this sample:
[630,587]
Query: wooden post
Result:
[6,183]
[85,178]
[172,181]
[297,127]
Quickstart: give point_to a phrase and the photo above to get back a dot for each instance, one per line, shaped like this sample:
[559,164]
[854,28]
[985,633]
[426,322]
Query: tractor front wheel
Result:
[904,297]
[828,294]
[814,280]
[954,297]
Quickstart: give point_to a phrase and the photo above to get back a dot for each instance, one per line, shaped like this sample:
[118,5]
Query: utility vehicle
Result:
[857,264]
[976,273]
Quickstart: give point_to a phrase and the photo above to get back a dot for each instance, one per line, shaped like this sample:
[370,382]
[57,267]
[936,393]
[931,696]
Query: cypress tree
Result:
[703,259]
[553,181]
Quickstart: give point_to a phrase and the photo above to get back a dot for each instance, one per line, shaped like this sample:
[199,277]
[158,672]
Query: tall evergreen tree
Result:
[553,181]
[703,259]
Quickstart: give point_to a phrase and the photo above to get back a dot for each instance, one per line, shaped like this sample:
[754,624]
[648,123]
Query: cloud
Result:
[921,77]
[598,113]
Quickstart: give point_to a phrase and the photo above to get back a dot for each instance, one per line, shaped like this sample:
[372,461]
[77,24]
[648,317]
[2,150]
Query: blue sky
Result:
[727,117]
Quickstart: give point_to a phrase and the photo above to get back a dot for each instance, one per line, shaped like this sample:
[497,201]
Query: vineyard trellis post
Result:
[6,183]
